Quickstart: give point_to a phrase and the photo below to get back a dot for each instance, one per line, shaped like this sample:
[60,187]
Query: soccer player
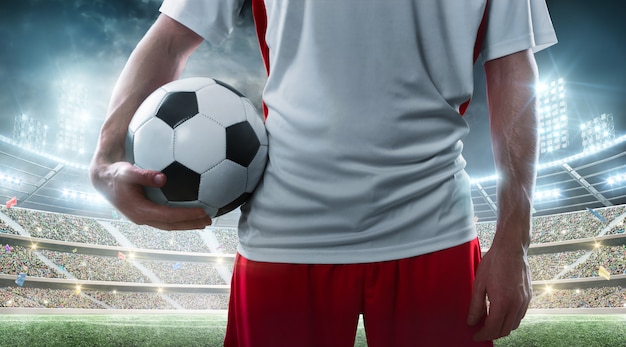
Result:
[364,207]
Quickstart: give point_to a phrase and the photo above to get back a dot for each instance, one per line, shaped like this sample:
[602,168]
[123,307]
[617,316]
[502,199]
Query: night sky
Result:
[44,42]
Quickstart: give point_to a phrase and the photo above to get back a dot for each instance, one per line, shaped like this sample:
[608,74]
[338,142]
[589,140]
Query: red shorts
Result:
[419,301]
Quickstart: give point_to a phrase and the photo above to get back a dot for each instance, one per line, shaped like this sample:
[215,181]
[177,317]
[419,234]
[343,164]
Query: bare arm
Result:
[159,58]
[504,275]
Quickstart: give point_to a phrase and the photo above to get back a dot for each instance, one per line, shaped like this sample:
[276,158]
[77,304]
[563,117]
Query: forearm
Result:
[513,118]
[158,58]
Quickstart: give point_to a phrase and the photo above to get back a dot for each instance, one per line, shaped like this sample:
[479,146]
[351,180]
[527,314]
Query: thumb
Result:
[478,306]
[144,177]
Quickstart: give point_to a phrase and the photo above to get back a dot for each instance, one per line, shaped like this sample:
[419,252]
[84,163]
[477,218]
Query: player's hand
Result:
[504,277]
[122,184]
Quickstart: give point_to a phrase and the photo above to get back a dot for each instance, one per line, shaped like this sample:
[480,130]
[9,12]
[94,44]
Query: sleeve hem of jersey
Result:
[537,43]
[195,24]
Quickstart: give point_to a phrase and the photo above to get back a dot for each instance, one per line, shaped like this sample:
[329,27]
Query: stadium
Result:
[66,251]
[75,272]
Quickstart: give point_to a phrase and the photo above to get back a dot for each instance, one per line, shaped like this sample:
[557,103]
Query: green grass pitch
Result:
[207,329]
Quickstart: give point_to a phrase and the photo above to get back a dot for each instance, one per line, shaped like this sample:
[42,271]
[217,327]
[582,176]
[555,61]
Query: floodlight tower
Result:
[598,132]
[72,122]
[29,133]
[552,114]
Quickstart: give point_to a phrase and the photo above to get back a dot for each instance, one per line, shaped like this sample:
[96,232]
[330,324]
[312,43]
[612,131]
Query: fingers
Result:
[522,313]
[133,204]
[478,305]
[149,178]
[501,320]
[122,183]
[505,280]
[493,325]
[175,218]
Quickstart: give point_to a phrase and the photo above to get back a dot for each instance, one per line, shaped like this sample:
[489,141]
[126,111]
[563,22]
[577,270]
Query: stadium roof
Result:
[581,181]
[44,182]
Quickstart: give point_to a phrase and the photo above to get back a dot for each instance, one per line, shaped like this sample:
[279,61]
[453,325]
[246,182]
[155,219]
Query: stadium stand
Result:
[83,262]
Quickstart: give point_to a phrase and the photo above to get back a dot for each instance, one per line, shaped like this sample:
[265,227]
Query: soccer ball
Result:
[206,137]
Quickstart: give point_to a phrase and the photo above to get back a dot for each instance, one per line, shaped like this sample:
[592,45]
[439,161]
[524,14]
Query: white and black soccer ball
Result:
[206,137]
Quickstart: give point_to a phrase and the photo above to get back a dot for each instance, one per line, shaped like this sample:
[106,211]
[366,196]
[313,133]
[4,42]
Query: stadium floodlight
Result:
[552,114]
[14,180]
[598,133]
[72,122]
[616,179]
[29,132]
[485,179]
[540,88]
[69,194]
[44,154]
[547,194]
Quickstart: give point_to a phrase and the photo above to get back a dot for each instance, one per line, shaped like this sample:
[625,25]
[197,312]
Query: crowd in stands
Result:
[547,266]
[612,258]
[227,239]
[618,229]
[130,300]
[187,272]
[61,227]
[143,236]
[6,228]
[44,298]
[53,264]
[562,227]
[16,259]
[602,297]
[201,301]
[95,267]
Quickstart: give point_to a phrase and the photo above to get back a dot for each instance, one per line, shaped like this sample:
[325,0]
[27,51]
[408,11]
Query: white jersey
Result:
[364,104]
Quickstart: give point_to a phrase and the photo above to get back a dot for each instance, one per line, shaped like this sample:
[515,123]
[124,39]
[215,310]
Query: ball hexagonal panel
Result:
[177,107]
[153,146]
[147,109]
[220,104]
[200,143]
[222,184]
[182,183]
[241,143]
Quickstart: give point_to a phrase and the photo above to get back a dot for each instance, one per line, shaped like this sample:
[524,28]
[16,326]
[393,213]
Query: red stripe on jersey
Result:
[480,35]
[260,21]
